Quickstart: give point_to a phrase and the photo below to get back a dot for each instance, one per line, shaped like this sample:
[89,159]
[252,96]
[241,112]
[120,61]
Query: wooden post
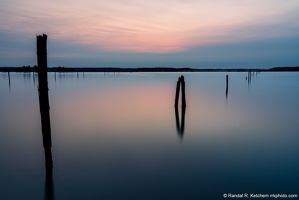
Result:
[44,99]
[8,80]
[177,93]
[183,91]
[226,86]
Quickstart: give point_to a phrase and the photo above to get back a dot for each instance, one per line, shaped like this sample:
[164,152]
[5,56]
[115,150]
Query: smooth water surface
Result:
[117,136]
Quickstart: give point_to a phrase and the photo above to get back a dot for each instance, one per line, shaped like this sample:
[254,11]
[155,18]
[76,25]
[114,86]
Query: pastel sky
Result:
[155,33]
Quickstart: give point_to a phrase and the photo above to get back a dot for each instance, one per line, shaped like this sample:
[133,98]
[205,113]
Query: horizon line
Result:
[145,69]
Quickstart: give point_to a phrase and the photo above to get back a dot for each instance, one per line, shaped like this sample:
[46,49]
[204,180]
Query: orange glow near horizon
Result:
[119,109]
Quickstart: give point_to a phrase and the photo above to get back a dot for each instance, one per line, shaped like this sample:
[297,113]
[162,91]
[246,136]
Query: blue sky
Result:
[139,33]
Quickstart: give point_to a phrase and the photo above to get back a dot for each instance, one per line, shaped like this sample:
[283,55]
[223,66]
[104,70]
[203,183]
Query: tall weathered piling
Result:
[44,99]
[180,84]
[183,91]
[177,93]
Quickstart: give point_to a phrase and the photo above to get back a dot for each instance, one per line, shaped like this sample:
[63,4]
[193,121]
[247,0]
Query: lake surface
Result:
[117,136]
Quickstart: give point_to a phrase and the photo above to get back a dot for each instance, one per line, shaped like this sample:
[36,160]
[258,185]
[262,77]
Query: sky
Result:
[155,33]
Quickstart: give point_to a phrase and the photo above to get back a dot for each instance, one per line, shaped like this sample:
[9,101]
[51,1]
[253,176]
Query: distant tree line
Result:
[64,69]
[27,69]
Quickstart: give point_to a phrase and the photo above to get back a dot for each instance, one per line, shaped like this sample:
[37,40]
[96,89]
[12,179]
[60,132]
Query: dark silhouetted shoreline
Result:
[144,69]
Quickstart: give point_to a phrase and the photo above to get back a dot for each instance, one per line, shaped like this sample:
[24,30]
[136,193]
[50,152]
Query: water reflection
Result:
[67,75]
[27,77]
[49,188]
[250,76]
[143,108]
[33,77]
[180,125]
[47,142]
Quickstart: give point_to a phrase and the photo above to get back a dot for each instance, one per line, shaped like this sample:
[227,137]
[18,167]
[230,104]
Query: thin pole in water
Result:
[226,86]
[8,80]
[183,91]
[177,93]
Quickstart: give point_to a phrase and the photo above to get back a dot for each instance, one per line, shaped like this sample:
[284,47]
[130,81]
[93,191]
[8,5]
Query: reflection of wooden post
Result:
[180,125]
[183,120]
[33,75]
[177,119]
[44,98]
[49,189]
[226,80]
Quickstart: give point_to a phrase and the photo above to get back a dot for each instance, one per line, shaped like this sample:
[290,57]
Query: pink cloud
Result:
[148,26]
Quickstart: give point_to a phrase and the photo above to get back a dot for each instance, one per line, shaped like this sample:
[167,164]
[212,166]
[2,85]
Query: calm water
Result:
[116,136]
